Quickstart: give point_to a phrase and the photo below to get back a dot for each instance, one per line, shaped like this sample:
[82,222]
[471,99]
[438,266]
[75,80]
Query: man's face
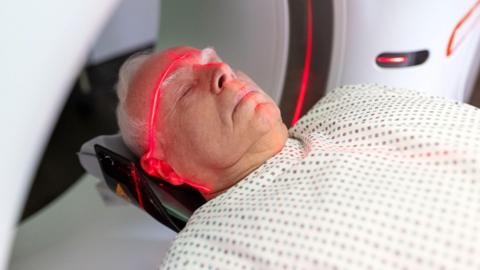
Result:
[210,117]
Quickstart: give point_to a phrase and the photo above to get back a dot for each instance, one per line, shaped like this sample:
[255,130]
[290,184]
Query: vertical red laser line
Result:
[137,187]
[450,47]
[306,67]
[153,121]
[154,107]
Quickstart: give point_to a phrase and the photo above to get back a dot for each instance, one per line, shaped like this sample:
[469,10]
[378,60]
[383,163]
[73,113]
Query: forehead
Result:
[151,75]
[194,57]
[181,64]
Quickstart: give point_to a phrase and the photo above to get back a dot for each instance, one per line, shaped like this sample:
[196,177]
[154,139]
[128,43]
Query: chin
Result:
[268,115]
[275,136]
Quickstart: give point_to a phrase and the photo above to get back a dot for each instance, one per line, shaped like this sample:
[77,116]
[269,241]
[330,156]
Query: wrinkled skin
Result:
[215,125]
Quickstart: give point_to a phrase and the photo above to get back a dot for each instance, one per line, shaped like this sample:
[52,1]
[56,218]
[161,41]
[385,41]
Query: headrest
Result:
[107,158]
[88,157]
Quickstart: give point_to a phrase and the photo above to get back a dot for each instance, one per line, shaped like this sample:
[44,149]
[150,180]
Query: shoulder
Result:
[370,102]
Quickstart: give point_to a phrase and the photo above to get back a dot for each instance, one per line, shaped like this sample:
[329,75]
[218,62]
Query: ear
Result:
[161,169]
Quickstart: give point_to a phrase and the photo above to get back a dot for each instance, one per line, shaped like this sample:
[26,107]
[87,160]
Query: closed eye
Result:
[186,90]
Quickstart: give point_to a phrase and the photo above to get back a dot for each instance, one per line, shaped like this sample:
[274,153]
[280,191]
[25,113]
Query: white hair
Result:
[133,130]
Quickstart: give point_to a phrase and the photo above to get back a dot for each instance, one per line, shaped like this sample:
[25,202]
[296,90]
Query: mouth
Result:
[244,93]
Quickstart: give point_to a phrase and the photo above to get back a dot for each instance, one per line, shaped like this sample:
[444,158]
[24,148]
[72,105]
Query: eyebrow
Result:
[205,58]
[172,76]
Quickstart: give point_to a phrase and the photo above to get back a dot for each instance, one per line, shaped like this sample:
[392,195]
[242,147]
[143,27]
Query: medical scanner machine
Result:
[296,50]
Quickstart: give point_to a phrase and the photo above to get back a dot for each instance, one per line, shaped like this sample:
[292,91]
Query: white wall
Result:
[133,25]
[250,35]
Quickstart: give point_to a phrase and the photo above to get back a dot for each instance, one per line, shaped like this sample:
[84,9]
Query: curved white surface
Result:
[365,29]
[44,44]
[250,35]
[78,231]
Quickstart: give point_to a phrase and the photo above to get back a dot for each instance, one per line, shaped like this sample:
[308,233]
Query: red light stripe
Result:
[450,46]
[393,60]
[154,107]
[137,187]
[150,167]
[306,67]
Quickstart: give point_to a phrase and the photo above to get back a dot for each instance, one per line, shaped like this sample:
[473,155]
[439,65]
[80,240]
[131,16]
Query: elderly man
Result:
[212,126]
[370,178]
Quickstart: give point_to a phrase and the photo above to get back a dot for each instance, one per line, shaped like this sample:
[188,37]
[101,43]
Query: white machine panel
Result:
[365,29]
[44,44]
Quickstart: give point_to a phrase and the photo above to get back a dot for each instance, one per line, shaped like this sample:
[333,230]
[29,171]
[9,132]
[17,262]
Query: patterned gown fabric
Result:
[371,178]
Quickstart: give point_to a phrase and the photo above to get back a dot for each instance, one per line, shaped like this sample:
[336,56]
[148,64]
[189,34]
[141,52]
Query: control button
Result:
[401,59]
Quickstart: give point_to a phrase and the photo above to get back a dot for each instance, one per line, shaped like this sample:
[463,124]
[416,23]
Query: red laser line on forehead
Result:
[155,100]
[154,106]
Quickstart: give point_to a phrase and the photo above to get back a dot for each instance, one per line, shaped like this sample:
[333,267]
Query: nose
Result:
[222,75]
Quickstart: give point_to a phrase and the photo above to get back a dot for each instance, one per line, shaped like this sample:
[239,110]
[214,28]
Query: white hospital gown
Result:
[371,178]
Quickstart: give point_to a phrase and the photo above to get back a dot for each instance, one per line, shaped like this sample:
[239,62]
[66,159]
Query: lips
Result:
[242,94]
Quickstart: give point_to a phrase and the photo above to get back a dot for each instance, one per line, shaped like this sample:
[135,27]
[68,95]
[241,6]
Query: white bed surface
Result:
[79,231]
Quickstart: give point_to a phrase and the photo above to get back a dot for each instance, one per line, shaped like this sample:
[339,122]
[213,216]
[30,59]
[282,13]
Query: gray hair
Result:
[133,130]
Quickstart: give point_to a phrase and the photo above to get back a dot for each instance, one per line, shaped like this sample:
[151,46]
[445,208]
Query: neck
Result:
[257,154]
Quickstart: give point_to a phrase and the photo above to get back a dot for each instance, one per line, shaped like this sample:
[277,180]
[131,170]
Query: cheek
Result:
[198,135]
[211,145]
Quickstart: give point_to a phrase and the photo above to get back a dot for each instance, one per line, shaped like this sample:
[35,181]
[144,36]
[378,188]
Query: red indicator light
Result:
[392,59]
[401,59]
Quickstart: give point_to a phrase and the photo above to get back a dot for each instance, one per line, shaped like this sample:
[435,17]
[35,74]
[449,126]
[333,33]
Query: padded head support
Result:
[107,158]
